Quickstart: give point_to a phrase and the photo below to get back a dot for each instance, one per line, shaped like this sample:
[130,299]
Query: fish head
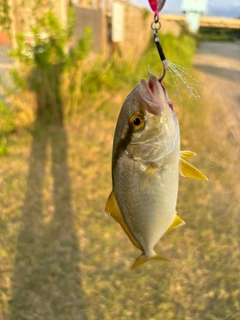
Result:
[147,127]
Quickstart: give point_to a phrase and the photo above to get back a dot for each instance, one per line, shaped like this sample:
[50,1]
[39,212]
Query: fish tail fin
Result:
[142,259]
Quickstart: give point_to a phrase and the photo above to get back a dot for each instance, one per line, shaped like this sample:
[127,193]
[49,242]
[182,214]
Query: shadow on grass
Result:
[46,282]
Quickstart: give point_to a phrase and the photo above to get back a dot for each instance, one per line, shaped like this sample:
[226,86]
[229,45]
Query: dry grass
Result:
[62,258]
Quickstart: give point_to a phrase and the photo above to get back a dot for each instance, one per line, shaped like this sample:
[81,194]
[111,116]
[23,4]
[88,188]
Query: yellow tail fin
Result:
[142,259]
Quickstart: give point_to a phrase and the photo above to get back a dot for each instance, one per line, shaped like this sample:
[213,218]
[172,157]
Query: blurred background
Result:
[65,70]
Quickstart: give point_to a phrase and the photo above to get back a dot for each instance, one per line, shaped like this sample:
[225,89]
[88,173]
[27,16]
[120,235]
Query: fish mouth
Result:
[154,95]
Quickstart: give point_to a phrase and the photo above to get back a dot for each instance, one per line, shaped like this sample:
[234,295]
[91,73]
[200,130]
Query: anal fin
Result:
[177,222]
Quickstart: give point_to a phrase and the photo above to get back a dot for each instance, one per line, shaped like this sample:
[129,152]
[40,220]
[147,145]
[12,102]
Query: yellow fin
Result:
[152,167]
[177,222]
[142,259]
[113,210]
[188,170]
[187,154]
[149,176]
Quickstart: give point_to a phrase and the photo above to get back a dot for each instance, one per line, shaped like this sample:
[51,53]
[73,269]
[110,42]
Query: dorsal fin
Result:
[188,170]
[187,154]
[113,210]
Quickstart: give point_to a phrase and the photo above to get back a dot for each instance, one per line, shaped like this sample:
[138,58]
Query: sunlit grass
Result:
[62,258]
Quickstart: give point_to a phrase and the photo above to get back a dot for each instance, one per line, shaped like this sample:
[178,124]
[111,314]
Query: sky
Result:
[219,8]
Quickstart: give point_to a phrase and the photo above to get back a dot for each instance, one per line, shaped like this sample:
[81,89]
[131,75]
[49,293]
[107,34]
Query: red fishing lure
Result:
[156,5]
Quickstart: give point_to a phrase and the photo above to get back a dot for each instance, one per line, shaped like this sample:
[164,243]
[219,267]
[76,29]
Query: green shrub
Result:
[116,73]
[109,76]
[179,50]
[48,68]
[7,120]
[63,79]
[3,146]
[7,125]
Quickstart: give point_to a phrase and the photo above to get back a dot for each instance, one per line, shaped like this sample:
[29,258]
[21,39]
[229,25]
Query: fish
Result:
[146,163]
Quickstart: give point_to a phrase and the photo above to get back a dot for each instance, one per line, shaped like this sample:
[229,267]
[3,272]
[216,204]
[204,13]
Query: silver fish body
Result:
[145,167]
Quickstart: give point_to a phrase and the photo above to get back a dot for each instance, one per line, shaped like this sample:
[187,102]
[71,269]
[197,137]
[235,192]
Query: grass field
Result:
[62,258]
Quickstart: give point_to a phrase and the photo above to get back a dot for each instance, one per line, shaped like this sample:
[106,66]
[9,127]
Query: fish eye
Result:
[137,121]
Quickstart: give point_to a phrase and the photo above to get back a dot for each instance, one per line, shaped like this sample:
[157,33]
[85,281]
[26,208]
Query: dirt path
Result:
[219,64]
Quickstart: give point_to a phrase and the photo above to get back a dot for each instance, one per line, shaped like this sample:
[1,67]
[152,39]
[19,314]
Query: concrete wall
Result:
[98,16]
[136,35]
[137,32]
[22,12]
[92,18]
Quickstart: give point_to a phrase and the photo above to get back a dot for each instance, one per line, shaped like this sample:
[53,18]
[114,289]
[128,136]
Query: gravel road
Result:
[219,64]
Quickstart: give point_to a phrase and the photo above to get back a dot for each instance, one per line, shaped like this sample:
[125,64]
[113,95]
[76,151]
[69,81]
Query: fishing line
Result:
[178,73]
[156,6]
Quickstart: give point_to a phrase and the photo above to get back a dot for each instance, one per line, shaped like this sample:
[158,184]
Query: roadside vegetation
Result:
[218,34]
[61,257]
[55,81]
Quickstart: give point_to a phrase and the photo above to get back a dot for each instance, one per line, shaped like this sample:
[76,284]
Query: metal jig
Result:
[155,26]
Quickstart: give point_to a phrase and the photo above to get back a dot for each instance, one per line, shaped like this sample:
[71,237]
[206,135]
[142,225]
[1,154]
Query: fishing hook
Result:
[156,6]
[160,51]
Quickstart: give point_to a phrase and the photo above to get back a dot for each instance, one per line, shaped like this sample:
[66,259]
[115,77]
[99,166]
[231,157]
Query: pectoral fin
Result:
[177,222]
[142,259]
[188,170]
[149,175]
[113,210]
